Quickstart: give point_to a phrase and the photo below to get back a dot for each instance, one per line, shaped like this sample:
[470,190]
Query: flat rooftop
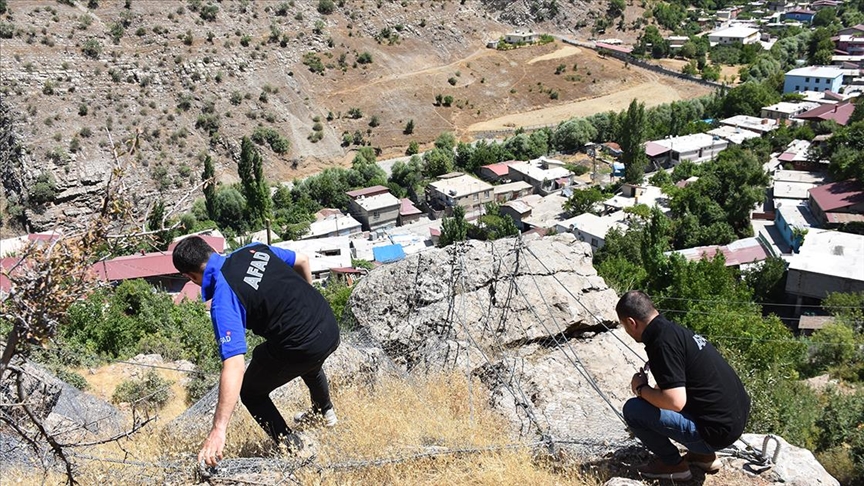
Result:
[832,253]
[688,143]
[378,201]
[756,124]
[798,215]
[734,134]
[535,172]
[461,185]
[830,72]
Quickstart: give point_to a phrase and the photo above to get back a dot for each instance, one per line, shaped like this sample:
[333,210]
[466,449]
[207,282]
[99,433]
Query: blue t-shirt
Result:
[226,312]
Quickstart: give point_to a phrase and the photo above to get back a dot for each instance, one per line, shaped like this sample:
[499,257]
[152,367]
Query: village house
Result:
[741,254]
[696,148]
[733,35]
[792,221]
[592,229]
[850,45]
[733,135]
[331,222]
[496,172]
[799,15]
[324,254]
[837,203]
[374,207]
[408,212]
[458,189]
[546,176]
[520,37]
[752,123]
[813,78]
[828,261]
[839,113]
[785,110]
[512,190]
[792,187]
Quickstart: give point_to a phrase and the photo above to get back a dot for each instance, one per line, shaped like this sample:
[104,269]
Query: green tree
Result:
[250,168]
[208,176]
[437,162]
[748,99]
[631,139]
[573,134]
[584,201]
[454,228]
[409,127]
[413,148]
[408,176]
[493,224]
[835,344]
[616,8]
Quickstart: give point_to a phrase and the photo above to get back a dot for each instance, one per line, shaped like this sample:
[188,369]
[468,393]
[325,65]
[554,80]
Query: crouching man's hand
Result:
[211,450]
[638,380]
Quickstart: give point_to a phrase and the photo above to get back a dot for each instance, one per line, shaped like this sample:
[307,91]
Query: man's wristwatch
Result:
[639,389]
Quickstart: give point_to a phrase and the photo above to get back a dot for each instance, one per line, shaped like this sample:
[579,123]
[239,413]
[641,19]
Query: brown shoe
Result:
[706,462]
[657,469]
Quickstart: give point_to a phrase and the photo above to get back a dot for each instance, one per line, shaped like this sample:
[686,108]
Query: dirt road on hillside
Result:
[652,93]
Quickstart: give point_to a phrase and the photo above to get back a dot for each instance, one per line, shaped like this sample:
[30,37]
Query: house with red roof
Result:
[496,172]
[837,203]
[840,113]
[408,212]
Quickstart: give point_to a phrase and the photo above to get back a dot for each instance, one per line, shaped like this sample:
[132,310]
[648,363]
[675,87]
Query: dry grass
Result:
[395,420]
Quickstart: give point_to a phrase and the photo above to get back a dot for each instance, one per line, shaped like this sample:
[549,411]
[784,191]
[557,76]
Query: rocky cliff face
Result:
[530,318]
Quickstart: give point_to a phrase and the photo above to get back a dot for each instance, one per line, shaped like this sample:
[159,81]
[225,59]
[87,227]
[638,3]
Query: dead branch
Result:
[135,428]
[55,446]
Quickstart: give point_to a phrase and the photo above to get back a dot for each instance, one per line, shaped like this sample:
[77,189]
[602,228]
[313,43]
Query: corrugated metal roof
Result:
[367,191]
[838,195]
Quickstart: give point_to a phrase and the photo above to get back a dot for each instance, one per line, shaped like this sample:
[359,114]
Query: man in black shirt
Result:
[698,401]
[266,290]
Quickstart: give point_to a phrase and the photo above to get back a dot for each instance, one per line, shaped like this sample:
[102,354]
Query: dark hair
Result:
[635,304]
[191,254]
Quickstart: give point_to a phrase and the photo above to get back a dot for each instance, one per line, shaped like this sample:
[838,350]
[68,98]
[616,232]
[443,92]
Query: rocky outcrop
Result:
[531,319]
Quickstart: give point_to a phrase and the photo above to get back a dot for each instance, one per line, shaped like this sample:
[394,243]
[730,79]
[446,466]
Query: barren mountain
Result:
[165,83]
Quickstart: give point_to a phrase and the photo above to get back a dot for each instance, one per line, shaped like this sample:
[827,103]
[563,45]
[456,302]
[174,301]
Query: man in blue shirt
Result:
[268,291]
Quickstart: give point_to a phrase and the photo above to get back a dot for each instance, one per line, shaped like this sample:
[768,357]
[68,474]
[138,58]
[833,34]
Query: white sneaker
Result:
[313,416]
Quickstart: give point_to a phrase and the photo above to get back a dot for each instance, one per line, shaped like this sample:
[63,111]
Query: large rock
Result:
[530,318]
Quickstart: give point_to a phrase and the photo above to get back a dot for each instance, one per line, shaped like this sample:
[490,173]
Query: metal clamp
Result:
[764,455]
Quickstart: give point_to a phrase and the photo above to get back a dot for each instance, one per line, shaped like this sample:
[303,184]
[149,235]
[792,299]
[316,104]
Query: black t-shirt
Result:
[716,399]
[281,306]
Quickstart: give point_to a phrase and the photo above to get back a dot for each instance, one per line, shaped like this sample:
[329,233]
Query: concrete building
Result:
[592,229]
[840,113]
[676,41]
[546,176]
[512,190]
[785,110]
[733,35]
[521,37]
[838,202]
[496,172]
[408,212]
[793,221]
[374,207]
[752,123]
[829,261]
[697,147]
[850,45]
[799,15]
[813,78]
[331,222]
[795,185]
[324,253]
[741,254]
[459,189]
[733,135]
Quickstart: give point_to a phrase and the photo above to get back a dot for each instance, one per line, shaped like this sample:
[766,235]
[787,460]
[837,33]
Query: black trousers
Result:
[269,369]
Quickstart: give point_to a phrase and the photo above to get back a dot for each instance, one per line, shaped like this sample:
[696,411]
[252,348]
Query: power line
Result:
[732,314]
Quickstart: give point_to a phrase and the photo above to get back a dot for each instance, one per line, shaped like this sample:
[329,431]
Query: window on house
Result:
[476,196]
[376,215]
[594,242]
[806,80]
[797,88]
[486,194]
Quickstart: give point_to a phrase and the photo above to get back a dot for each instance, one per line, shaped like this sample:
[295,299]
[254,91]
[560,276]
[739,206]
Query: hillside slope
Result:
[174,83]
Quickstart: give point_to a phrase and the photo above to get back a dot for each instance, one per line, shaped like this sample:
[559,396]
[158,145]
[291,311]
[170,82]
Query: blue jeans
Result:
[655,426]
